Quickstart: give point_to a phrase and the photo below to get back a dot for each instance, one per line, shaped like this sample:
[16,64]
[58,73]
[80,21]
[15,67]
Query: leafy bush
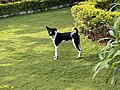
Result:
[110,54]
[93,22]
[115,7]
[24,6]
[31,5]
[106,4]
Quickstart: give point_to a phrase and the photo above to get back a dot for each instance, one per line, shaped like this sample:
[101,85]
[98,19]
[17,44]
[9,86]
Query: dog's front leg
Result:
[56,53]
[79,52]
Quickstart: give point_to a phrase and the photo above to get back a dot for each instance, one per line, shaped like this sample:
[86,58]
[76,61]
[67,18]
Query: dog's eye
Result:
[50,32]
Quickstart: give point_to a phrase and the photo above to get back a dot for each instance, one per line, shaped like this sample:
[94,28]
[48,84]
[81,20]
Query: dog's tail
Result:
[74,28]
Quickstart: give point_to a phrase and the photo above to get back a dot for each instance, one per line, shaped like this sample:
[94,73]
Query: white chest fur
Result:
[54,36]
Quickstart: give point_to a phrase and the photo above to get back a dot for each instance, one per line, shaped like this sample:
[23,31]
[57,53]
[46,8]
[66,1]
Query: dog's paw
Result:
[78,57]
[55,57]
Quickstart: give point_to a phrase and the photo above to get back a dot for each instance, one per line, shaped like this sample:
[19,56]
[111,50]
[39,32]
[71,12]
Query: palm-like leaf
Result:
[108,55]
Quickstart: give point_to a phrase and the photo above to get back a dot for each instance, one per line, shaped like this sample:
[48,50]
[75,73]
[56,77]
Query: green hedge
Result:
[24,6]
[34,5]
[92,21]
[106,4]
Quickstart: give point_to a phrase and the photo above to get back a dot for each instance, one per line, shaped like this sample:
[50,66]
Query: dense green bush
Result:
[106,4]
[31,5]
[92,21]
[24,6]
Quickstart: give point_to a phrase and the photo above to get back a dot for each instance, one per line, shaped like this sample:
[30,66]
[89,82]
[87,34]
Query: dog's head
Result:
[51,31]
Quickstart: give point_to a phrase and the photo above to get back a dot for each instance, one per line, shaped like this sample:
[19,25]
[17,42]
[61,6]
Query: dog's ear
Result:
[47,28]
[54,29]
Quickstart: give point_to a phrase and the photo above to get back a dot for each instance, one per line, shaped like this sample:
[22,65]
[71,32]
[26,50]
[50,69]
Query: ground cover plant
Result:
[26,55]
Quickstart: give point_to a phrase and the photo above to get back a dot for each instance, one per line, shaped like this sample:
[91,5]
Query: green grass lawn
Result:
[26,55]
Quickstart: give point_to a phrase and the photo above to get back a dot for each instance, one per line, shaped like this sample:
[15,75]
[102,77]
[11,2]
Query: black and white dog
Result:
[57,38]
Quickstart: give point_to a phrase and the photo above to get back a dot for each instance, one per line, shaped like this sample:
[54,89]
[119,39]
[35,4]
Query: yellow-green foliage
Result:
[96,0]
[31,5]
[87,17]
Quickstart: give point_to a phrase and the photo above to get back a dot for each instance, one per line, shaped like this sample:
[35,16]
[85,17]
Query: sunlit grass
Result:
[26,55]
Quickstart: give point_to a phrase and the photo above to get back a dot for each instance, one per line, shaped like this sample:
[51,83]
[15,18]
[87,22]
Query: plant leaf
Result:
[96,66]
[114,75]
[96,72]
[111,53]
[116,24]
[102,55]
[117,53]
[103,39]
[106,65]
[117,62]
[111,32]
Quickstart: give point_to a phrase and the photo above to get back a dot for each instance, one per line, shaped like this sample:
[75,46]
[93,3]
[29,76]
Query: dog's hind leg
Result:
[79,51]
[77,46]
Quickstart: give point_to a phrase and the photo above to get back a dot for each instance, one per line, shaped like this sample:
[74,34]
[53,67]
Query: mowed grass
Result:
[26,55]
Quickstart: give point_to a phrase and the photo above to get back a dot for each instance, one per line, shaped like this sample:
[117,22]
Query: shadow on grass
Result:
[92,57]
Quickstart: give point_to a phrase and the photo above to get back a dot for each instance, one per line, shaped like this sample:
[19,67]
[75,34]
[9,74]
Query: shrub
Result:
[24,6]
[110,54]
[31,5]
[92,21]
[106,4]
[115,7]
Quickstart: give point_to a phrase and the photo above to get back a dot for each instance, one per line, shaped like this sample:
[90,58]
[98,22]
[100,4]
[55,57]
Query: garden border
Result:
[26,7]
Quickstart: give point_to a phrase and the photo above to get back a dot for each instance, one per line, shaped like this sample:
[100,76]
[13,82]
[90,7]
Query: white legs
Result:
[79,52]
[77,46]
[56,53]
